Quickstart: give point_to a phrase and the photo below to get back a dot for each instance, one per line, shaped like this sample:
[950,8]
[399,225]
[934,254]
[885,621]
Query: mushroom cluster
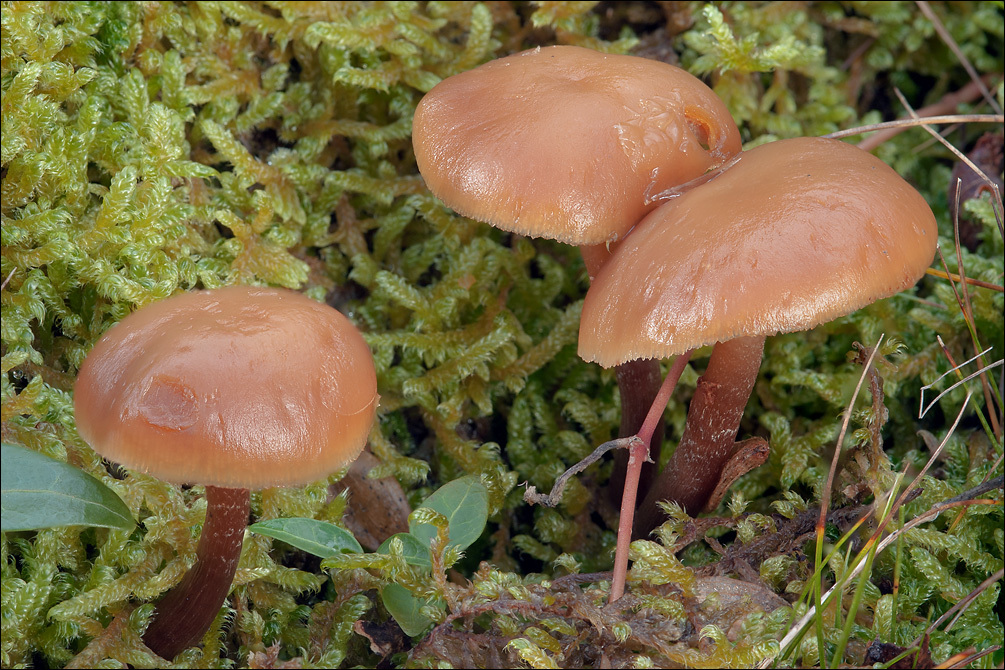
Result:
[574,145]
[792,234]
[235,388]
[710,246]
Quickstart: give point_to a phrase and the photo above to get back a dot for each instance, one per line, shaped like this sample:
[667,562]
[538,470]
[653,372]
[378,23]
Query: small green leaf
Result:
[465,503]
[41,492]
[414,551]
[407,609]
[319,538]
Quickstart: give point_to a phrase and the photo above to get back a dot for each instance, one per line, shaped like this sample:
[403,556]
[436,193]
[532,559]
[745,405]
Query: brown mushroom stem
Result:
[637,456]
[713,418]
[638,383]
[187,611]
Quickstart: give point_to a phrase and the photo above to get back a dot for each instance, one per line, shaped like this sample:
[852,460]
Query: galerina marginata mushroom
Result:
[793,234]
[235,388]
[574,145]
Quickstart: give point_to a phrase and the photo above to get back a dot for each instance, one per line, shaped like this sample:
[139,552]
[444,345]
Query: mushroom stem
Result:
[187,611]
[713,418]
[638,384]
[637,456]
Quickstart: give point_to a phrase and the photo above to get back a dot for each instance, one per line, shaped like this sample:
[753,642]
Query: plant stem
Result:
[638,383]
[637,455]
[186,612]
[710,433]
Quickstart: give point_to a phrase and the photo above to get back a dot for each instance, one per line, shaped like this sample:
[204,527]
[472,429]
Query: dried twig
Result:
[555,497]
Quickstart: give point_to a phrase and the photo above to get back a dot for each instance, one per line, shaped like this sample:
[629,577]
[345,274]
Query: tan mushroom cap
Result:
[236,387]
[794,234]
[567,143]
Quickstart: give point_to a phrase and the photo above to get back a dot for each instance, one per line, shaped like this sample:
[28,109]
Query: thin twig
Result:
[996,483]
[555,497]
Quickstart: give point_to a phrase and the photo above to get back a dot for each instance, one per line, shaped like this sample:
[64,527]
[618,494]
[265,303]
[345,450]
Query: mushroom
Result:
[235,388]
[574,145]
[793,234]
[568,143]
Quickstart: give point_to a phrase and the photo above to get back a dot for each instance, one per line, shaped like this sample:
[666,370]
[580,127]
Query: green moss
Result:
[154,148]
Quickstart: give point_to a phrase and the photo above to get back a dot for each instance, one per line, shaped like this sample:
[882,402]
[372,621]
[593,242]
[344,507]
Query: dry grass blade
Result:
[969,280]
[960,607]
[825,496]
[968,310]
[959,154]
[914,122]
[955,48]
[922,410]
[796,631]
[970,659]
[7,278]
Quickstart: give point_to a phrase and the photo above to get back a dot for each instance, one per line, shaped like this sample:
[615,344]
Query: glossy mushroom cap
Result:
[236,387]
[794,234]
[568,143]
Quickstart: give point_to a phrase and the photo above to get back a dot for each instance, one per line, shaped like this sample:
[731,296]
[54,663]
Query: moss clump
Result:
[151,148]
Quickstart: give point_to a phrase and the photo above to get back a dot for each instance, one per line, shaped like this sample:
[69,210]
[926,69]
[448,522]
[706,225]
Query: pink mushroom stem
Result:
[638,383]
[713,419]
[188,610]
[637,455]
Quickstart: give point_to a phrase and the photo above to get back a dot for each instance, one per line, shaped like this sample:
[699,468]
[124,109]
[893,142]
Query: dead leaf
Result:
[377,508]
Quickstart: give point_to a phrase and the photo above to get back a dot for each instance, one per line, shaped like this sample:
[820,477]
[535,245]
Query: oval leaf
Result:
[465,503]
[319,538]
[407,609]
[414,551]
[41,492]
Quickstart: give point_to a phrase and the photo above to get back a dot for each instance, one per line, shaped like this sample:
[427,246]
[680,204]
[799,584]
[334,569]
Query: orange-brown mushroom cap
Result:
[237,387]
[568,143]
[794,234]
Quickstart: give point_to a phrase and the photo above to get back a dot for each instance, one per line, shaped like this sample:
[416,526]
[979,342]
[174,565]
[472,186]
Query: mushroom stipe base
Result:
[708,442]
[187,611]
[638,383]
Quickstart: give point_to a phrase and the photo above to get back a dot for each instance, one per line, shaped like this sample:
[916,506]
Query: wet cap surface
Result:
[238,387]
[796,233]
[567,143]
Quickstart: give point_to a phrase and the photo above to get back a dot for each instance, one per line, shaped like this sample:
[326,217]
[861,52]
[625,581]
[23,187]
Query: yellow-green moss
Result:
[151,148]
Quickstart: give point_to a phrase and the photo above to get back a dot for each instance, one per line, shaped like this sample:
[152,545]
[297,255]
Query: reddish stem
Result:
[636,457]
[710,433]
[186,612]
[638,383]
